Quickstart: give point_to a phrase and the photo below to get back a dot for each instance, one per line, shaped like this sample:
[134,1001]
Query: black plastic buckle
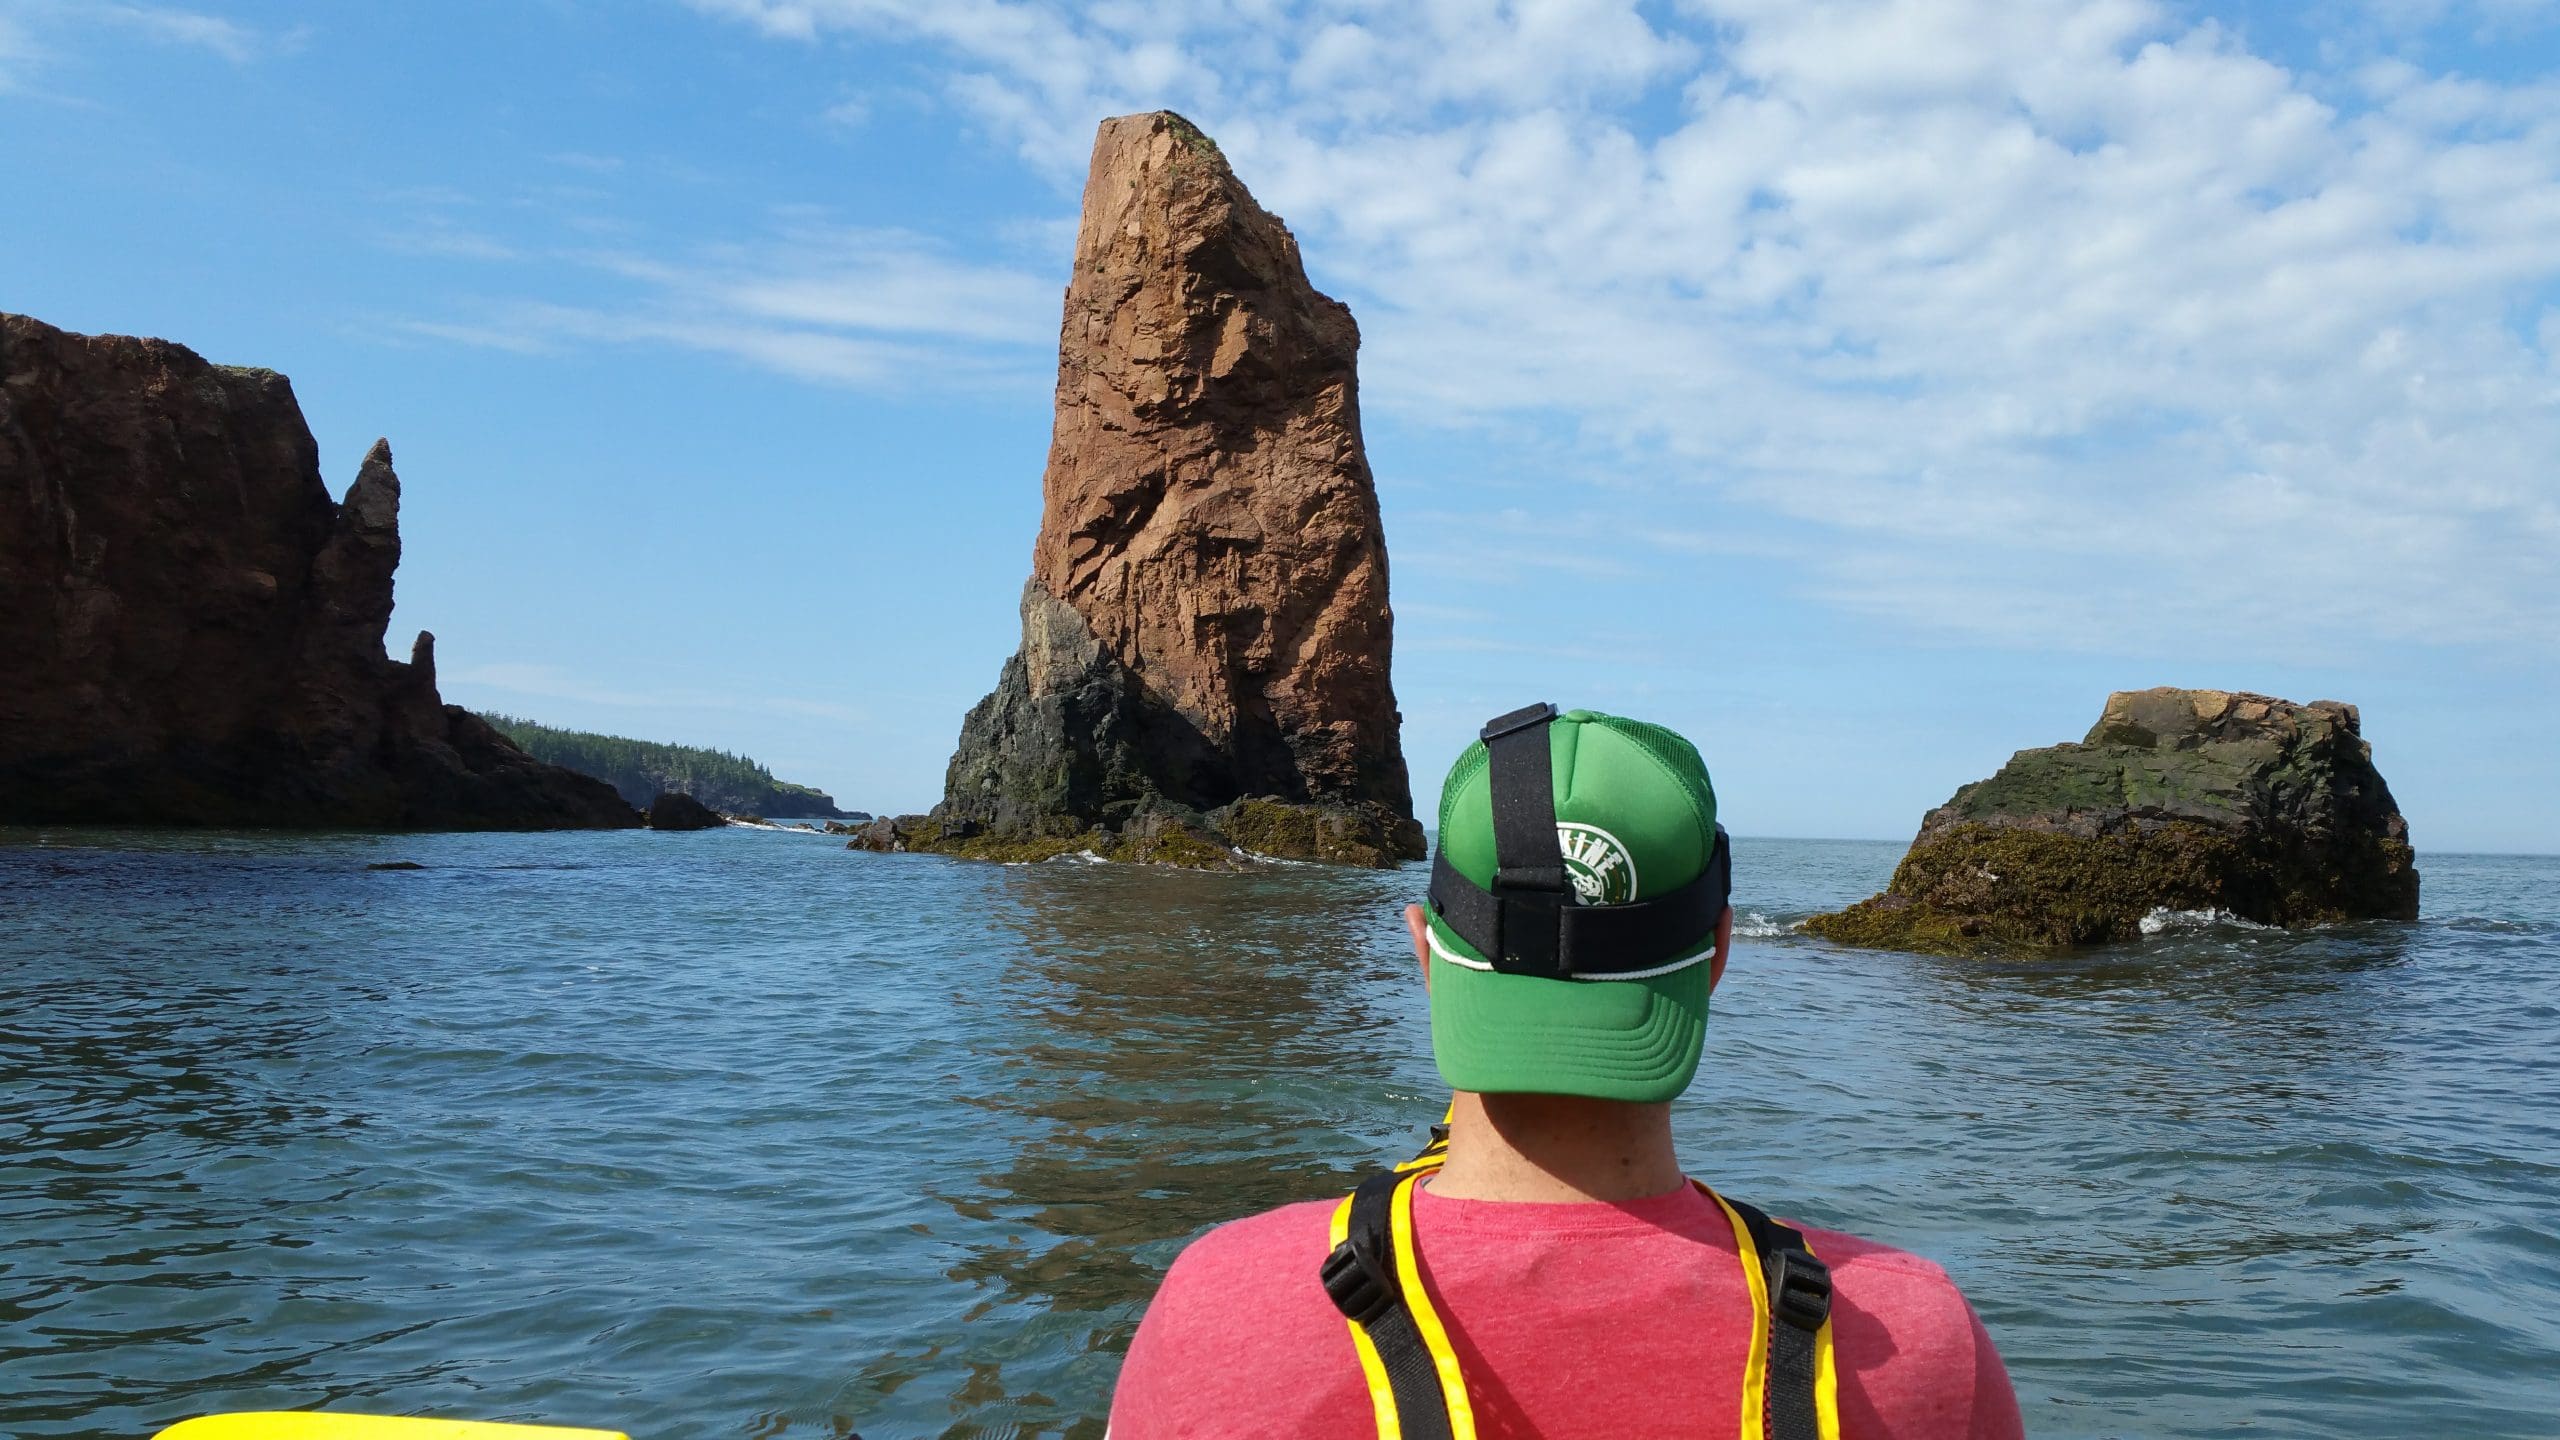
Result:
[1518,720]
[1532,938]
[1358,1286]
[1800,1290]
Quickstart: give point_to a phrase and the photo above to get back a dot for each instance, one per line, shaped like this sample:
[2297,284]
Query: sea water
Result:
[741,1134]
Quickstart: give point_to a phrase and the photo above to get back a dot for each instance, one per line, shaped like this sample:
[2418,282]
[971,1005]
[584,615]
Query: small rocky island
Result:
[2179,800]
[1205,633]
[191,629]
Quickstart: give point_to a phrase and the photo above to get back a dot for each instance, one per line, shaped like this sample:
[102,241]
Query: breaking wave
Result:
[2167,922]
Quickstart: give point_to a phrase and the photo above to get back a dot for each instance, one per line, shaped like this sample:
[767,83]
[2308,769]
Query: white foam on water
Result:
[1752,925]
[2165,921]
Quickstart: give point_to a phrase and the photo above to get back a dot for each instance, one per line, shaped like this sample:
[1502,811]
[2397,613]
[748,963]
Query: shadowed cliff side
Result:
[191,630]
[1205,634]
[2177,800]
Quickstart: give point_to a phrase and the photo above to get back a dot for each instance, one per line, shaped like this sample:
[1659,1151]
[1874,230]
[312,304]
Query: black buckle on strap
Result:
[1358,1286]
[1517,721]
[1533,934]
[1800,1289]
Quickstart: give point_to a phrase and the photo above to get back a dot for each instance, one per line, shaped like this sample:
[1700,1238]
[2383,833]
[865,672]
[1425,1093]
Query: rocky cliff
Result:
[191,630]
[2176,800]
[1206,622]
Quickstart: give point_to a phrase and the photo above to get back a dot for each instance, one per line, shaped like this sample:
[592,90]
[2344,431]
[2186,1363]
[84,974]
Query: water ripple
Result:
[749,1135]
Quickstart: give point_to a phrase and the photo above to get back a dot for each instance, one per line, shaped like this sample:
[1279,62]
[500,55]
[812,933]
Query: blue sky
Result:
[1865,389]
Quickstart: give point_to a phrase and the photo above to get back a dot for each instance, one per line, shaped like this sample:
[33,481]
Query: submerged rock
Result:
[2177,800]
[191,630]
[1206,617]
[675,810]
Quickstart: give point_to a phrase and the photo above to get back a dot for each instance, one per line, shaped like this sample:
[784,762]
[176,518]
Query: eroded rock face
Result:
[2176,800]
[1206,618]
[191,630]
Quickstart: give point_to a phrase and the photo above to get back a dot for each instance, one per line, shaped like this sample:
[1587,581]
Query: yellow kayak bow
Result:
[324,1425]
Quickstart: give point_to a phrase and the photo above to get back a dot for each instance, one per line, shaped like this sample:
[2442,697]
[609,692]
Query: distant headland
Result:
[641,770]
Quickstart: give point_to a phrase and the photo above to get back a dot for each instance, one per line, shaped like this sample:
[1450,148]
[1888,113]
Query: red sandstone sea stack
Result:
[1205,636]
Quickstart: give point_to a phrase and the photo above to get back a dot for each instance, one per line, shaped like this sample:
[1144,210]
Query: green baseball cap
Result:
[1635,821]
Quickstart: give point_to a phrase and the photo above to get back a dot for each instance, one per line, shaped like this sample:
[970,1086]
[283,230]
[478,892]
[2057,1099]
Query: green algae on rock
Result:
[1154,839]
[2177,800]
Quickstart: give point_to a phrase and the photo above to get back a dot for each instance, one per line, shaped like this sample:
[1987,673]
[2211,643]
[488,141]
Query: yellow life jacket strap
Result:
[1417,1391]
[1790,1379]
[1374,1277]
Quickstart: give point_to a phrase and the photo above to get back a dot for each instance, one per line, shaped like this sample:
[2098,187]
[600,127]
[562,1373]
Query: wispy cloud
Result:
[19,52]
[232,41]
[550,682]
[2079,324]
[860,308]
[38,32]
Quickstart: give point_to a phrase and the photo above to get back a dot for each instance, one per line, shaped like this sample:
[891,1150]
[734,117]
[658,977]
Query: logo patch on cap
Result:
[1602,871]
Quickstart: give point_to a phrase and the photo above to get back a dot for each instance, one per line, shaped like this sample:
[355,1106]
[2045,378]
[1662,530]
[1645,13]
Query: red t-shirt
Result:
[1569,1320]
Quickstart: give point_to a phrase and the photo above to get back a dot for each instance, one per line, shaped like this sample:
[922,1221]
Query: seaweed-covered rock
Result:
[1206,617]
[1155,838]
[1269,826]
[2176,800]
[675,810]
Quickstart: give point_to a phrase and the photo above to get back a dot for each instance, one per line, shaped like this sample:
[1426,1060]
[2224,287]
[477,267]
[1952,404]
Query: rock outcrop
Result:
[1206,620]
[675,810]
[2178,800]
[191,630]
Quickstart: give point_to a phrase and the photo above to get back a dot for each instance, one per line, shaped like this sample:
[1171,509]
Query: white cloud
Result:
[869,309]
[2077,323]
[550,682]
[169,26]
[19,53]
[26,24]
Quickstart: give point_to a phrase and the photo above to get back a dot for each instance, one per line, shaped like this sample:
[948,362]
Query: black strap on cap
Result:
[1360,1279]
[1799,1302]
[1530,886]
[1530,921]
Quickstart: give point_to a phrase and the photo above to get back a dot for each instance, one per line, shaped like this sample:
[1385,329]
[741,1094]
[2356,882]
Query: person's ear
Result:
[1419,925]
[1724,949]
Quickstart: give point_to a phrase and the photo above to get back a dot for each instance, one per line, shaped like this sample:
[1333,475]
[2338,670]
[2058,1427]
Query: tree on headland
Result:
[641,769]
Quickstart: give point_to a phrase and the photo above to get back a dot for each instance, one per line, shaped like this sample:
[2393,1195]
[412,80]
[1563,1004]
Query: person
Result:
[1551,1271]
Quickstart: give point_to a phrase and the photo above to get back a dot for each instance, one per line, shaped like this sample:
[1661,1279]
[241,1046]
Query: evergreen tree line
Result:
[640,770]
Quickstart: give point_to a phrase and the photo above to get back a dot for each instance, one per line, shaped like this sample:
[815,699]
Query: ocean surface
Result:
[742,1134]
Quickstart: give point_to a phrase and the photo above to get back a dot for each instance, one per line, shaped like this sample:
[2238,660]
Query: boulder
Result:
[2190,800]
[675,810]
[191,630]
[1206,617]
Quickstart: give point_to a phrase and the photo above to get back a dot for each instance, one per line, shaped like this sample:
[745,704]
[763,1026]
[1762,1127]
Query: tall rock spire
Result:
[1206,620]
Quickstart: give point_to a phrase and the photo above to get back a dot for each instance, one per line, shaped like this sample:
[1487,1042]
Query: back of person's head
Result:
[1576,896]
